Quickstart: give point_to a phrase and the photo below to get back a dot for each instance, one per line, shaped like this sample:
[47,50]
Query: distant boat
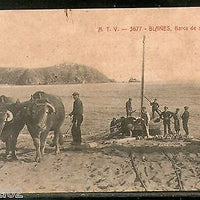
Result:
[133,80]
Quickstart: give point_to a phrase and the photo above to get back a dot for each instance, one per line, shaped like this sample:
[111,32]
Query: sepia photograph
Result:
[99,100]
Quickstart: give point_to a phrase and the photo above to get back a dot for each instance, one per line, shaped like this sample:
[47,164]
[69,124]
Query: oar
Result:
[157,109]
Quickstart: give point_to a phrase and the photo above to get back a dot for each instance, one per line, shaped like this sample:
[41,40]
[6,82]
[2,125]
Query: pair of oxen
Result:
[41,114]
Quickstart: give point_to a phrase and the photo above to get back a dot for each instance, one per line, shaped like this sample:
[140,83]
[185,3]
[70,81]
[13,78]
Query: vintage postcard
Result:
[99,100]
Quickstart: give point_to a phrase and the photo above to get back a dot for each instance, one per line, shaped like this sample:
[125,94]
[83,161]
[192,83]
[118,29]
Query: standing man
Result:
[155,107]
[176,117]
[77,114]
[129,109]
[146,118]
[185,118]
[166,116]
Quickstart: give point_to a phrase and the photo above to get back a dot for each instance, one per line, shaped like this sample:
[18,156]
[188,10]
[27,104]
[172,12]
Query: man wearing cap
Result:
[146,118]
[166,116]
[185,118]
[129,109]
[176,117]
[155,107]
[77,114]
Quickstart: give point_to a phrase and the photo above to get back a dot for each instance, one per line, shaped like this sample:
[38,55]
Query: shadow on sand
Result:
[28,155]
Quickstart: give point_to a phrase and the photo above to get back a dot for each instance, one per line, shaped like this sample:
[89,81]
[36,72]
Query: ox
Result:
[44,113]
[11,123]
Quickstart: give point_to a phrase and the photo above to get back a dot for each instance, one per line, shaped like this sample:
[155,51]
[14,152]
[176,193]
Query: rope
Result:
[136,171]
[178,173]
[70,126]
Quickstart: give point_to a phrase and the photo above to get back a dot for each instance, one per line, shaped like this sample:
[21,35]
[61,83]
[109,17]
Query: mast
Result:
[142,86]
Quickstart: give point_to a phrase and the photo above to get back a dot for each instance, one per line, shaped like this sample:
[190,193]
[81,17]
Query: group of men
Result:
[165,115]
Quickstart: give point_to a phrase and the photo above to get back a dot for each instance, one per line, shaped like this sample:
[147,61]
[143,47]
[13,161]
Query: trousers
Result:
[76,129]
[185,128]
[177,126]
[153,113]
[167,127]
[146,129]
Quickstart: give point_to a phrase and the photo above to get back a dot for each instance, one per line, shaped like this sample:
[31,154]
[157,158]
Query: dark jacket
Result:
[176,117]
[155,106]
[77,108]
[166,115]
[185,117]
[128,107]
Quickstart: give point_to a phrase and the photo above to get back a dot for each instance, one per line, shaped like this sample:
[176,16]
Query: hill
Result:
[58,74]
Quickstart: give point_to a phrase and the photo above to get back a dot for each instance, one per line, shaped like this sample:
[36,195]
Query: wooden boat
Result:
[133,80]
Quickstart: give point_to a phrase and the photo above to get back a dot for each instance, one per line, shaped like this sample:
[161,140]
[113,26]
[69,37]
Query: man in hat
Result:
[129,109]
[176,117]
[155,108]
[146,118]
[185,118]
[77,114]
[166,116]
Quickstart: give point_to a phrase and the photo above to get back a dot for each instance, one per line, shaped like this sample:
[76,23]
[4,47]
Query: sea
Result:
[104,101]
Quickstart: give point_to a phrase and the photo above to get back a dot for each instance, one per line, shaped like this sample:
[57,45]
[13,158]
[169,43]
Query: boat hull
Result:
[154,129]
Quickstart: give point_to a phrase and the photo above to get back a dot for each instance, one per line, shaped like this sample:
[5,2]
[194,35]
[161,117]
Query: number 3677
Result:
[135,28]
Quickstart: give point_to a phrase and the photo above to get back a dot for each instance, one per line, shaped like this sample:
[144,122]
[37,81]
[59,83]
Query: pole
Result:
[147,99]
[142,86]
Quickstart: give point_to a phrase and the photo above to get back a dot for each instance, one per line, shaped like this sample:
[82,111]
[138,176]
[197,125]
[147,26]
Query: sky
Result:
[42,38]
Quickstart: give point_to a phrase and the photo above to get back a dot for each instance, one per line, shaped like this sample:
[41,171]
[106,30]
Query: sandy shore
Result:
[101,167]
